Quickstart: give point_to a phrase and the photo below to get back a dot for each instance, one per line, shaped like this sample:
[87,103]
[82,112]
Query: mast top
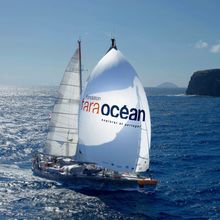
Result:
[79,42]
[113,45]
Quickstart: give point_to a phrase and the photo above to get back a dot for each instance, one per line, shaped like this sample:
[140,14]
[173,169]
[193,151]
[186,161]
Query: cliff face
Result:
[205,82]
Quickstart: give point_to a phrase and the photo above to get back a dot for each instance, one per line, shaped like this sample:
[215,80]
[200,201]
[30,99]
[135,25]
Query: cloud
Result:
[201,44]
[215,48]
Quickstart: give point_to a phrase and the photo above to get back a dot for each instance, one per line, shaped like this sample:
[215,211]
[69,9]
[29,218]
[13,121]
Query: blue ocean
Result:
[185,158]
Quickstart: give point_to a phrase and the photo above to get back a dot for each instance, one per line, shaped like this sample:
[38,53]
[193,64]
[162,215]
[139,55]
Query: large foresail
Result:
[62,137]
[114,129]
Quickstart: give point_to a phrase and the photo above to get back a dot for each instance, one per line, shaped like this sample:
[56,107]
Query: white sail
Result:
[145,134]
[114,123]
[62,137]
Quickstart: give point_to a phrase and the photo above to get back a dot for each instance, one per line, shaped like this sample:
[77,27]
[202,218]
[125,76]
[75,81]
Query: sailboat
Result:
[99,137]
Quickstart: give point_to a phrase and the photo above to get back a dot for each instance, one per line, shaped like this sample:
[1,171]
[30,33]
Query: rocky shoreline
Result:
[205,82]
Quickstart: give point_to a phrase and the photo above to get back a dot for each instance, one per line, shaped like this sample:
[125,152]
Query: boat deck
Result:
[87,176]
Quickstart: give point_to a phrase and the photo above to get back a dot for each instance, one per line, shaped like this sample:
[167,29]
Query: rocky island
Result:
[205,82]
[167,85]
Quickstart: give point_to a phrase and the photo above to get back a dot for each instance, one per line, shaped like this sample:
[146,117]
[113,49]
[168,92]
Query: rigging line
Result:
[60,136]
[66,84]
[60,133]
[68,99]
[145,158]
[72,72]
[51,126]
[72,67]
[62,141]
[64,113]
[73,58]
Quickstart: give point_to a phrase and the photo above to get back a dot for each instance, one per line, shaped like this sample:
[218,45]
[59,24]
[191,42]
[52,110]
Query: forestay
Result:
[62,137]
[114,123]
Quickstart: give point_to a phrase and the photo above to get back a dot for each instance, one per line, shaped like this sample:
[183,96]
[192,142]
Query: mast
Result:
[80,65]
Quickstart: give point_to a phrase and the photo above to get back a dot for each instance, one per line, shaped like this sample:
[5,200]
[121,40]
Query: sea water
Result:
[185,158]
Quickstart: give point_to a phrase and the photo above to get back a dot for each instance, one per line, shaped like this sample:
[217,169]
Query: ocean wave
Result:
[184,158]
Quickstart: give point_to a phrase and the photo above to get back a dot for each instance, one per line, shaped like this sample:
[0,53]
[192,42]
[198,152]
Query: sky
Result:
[165,41]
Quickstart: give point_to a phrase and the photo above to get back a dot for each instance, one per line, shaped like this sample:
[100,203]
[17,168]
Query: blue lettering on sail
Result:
[115,111]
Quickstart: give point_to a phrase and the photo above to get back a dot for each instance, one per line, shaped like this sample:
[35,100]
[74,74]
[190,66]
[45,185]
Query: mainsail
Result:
[62,137]
[114,123]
